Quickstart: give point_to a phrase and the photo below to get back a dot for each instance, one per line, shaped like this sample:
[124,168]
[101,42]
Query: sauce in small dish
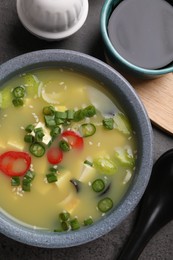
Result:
[142,32]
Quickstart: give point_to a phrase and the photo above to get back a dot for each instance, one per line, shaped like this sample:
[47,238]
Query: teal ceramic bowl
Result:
[114,58]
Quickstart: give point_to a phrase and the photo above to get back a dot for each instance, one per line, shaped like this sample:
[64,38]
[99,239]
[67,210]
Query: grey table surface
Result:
[15,40]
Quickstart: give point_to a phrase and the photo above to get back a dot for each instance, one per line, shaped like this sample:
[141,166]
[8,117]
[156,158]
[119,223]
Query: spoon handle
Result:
[142,233]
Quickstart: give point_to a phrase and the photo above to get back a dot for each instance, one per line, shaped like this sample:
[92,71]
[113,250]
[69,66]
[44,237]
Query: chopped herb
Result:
[89,111]
[64,216]
[65,225]
[74,223]
[30,175]
[59,121]
[70,114]
[79,115]
[50,120]
[29,138]
[108,123]
[88,221]
[55,131]
[64,146]
[53,170]
[49,111]
[51,177]
[29,128]
[39,134]
[26,184]
[15,181]
[60,115]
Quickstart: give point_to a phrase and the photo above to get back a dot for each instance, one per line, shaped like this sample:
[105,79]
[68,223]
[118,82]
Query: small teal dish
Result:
[112,55]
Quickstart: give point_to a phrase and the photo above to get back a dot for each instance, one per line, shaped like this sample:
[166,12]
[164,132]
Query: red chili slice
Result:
[8,160]
[75,140]
[54,155]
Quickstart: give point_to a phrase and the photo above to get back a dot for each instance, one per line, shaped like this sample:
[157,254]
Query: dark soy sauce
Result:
[142,32]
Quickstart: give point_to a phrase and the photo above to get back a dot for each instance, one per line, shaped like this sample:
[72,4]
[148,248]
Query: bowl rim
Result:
[104,16]
[47,239]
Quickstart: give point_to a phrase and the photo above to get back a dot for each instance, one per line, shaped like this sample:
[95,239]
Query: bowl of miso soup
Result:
[75,148]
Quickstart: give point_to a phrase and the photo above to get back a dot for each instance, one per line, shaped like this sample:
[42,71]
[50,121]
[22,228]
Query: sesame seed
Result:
[61,83]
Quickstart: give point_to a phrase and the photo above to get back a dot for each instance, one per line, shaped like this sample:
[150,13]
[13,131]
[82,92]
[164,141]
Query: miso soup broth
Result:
[67,150]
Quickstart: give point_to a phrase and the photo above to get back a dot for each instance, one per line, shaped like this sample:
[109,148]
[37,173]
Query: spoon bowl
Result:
[155,207]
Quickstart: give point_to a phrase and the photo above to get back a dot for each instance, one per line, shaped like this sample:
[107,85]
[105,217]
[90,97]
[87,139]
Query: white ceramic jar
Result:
[52,19]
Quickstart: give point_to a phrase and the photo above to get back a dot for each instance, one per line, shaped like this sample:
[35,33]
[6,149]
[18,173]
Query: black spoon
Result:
[156,208]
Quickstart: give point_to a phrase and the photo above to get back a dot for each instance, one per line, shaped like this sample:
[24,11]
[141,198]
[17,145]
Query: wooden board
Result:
[157,97]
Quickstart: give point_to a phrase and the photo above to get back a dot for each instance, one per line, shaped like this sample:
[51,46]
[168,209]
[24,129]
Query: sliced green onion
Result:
[65,225]
[37,149]
[89,111]
[18,92]
[39,134]
[87,129]
[59,121]
[49,110]
[88,221]
[17,102]
[26,184]
[15,181]
[98,185]
[53,170]
[60,115]
[29,138]
[74,223]
[51,177]
[70,114]
[108,123]
[30,175]
[64,216]
[79,115]
[105,204]
[64,146]
[50,120]
[29,128]
[55,131]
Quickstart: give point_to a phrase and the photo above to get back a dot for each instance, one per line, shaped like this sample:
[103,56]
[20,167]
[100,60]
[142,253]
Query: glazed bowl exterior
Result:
[114,58]
[134,109]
